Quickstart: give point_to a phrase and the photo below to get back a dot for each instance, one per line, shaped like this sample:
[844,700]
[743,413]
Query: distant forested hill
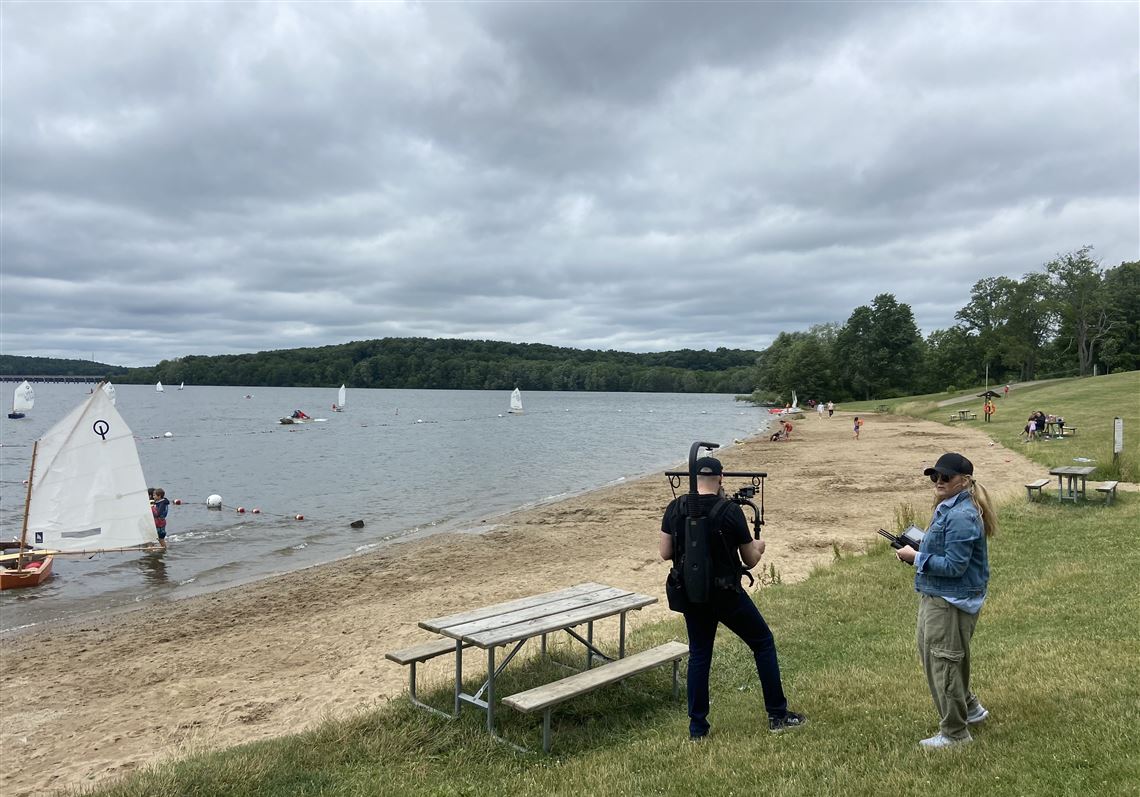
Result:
[12,365]
[466,364]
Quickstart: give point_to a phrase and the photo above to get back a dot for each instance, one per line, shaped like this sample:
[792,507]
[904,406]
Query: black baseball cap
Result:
[708,466]
[951,464]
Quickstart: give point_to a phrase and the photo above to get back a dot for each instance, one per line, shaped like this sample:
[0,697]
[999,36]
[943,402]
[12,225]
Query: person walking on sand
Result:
[858,424]
[159,508]
[830,408]
[729,543]
[951,575]
[820,409]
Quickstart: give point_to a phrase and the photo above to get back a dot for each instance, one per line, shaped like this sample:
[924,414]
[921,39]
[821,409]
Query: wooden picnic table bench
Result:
[417,654]
[544,698]
[1109,490]
[1037,487]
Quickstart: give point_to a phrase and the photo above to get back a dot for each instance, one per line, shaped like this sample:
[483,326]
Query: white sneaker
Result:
[939,742]
[977,716]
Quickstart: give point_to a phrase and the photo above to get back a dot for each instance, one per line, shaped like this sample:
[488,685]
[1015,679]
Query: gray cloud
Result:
[217,178]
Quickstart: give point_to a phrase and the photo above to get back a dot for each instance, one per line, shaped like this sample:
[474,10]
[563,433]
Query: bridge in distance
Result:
[51,378]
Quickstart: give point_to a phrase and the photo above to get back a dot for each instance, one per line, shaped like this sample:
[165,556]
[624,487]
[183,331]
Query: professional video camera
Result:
[743,496]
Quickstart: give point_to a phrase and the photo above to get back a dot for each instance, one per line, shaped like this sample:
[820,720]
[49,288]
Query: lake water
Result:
[406,462]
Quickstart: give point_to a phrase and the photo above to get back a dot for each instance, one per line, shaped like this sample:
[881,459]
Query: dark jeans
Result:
[740,615]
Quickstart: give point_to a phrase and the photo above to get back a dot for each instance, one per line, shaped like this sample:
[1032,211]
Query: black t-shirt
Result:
[733,526]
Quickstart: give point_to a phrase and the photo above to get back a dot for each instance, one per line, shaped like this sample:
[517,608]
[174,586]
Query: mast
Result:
[27,506]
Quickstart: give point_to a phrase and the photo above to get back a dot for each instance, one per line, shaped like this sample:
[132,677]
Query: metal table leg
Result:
[491,689]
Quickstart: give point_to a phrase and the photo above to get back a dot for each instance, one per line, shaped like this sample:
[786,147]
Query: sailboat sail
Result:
[516,402]
[158,388]
[340,396]
[24,399]
[87,489]
[181,385]
[109,389]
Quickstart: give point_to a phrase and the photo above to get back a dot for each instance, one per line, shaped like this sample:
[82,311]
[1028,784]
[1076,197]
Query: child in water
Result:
[159,506]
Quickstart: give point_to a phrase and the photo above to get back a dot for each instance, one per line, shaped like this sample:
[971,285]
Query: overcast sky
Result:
[214,178]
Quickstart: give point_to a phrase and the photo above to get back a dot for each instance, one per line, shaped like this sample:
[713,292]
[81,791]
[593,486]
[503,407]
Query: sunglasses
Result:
[940,477]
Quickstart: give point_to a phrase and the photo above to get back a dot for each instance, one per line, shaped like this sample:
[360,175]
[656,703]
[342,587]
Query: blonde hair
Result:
[983,502]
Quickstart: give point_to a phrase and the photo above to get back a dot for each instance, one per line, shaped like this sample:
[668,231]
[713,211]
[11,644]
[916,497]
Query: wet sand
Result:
[91,701]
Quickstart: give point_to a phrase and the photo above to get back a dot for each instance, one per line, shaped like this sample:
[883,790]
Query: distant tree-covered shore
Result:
[440,364]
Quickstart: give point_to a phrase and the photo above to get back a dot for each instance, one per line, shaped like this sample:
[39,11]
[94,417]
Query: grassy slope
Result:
[1088,404]
[1055,660]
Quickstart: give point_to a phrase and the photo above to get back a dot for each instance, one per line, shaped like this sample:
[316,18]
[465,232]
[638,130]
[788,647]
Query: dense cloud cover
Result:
[219,178]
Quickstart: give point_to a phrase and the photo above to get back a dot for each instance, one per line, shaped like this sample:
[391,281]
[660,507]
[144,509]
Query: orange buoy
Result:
[299,517]
[178,502]
[241,510]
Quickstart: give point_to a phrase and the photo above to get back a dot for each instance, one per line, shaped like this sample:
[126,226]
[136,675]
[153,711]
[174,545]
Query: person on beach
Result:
[728,603]
[820,409]
[159,508]
[858,425]
[951,575]
[830,408]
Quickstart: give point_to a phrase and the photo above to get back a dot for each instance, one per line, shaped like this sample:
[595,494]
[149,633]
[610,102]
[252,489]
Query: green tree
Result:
[1081,303]
[1120,350]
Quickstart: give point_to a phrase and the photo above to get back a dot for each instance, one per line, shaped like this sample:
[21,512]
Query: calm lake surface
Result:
[406,462]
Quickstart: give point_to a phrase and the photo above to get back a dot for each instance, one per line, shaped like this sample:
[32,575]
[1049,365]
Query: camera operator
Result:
[728,603]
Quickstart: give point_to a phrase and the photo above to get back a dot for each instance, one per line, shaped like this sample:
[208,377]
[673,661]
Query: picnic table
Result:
[513,623]
[1068,477]
[967,415]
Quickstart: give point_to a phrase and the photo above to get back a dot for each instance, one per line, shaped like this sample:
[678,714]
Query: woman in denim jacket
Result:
[952,570]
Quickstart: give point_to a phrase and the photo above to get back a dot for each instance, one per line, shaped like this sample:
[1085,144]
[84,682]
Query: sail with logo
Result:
[86,493]
[22,400]
[516,403]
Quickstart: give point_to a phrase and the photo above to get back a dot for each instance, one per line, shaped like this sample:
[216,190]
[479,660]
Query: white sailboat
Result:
[181,385]
[86,493]
[516,403]
[158,388]
[109,389]
[340,398]
[22,400]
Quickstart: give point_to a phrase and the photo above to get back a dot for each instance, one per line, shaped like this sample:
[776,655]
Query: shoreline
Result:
[283,653]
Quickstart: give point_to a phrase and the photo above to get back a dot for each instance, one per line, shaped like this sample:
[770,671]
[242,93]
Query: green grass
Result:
[1055,661]
[1088,404]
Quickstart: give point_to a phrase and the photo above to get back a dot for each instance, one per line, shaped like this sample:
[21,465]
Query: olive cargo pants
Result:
[944,633]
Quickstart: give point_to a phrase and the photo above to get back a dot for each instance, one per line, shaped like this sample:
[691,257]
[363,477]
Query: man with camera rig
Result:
[727,541]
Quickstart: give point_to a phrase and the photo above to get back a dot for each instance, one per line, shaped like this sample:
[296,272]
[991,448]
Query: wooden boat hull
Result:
[31,575]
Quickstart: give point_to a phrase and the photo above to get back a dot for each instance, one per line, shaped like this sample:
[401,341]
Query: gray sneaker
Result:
[978,715]
[940,742]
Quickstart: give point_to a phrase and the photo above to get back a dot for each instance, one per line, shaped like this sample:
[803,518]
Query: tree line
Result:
[1067,319]
[467,365]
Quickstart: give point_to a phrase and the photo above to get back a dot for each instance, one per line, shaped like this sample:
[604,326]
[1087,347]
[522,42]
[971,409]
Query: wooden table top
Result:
[520,619]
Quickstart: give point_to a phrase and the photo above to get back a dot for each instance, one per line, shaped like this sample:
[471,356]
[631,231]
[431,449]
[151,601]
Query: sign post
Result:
[1117,440]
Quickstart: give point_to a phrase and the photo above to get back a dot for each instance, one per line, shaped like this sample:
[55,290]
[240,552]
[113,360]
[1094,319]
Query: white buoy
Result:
[214,502]
[168,434]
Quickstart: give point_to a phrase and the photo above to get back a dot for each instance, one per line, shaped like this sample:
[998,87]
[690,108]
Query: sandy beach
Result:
[87,702]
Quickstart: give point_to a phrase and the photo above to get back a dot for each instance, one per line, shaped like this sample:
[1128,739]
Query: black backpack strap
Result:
[717,515]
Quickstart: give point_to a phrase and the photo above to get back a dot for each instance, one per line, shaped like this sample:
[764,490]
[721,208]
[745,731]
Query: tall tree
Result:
[1081,303]
[853,347]
[1121,347]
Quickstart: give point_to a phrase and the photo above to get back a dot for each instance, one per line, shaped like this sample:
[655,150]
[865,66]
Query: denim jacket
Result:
[953,561]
